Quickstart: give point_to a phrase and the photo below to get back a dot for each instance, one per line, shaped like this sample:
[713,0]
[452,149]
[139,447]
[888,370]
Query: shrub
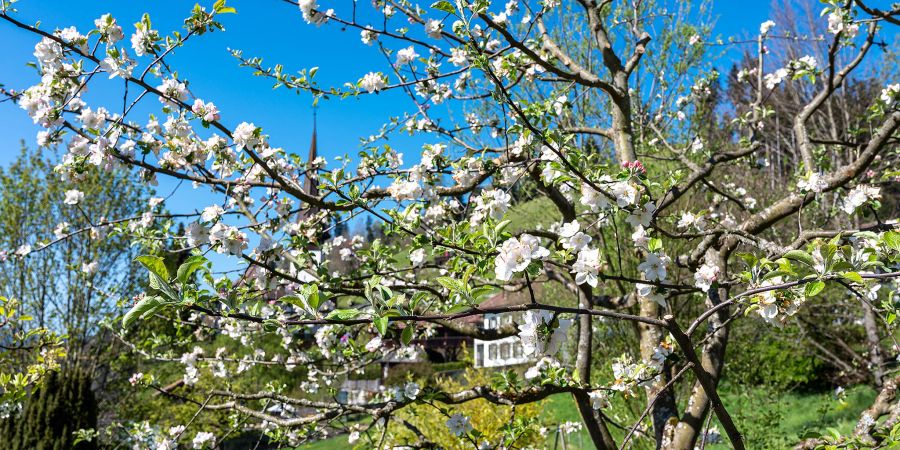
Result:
[63,404]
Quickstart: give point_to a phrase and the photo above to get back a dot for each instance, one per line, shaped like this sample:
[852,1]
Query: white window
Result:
[517,350]
[479,355]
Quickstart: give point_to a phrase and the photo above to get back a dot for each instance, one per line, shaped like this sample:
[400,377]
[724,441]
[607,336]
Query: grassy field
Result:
[777,420]
[768,420]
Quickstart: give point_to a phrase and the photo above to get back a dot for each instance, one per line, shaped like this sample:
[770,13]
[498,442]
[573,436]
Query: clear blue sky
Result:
[271,29]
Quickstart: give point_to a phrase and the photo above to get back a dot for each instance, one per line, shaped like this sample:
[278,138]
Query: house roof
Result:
[511,298]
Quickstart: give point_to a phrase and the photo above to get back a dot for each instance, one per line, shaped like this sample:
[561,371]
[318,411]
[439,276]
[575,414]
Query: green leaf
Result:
[892,240]
[810,434]
[154,264]
[381,324]
[481,291]
[775,273]
[142,309]
[814,288]
[800,255]
[342,314]
[307,298]
[407,335]
[451,284]
[187,269]
[293,300]
[158,283]
[445,6]
[457,308]
[498,229]
[312,296]
[853,276]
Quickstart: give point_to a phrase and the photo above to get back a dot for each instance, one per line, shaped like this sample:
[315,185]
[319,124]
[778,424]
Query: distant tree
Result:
[63,404]
[340,228]
[80,260]
[79,268]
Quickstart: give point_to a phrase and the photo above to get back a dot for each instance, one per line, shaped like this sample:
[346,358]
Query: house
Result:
[358,392]
[507,351]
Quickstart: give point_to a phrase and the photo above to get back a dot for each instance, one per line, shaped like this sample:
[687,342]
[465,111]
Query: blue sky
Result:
[271,29]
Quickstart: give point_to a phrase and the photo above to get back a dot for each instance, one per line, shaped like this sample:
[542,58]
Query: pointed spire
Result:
[312,185]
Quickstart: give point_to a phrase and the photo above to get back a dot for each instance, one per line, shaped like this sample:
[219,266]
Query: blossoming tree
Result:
[657,229]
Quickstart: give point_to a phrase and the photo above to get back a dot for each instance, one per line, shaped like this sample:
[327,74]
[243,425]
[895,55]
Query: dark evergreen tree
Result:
[340,227]
[63,404]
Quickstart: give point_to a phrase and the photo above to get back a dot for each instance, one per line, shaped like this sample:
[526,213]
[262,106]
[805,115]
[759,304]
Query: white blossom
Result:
[61,230]
[231,240]
[654,267]
[173,90]
[599,399]
[642,216]
[196,234]
[459,424]
[90,268]
[245,135]
[411,390]
[417,257]
[775,78]
[515,254]
[889,93]
[372,82]
[572,238]
[404,190]
[108,27]
[433,28]
[211,213]
[406,55]
[837,24]
[813,182]
[492,203]
[368,36]
[541,333]
[705,276]
[593,199]
[858,196]
[73,197]
[118,64]
[202,439]
[587,267]
[626,193]
[374,344]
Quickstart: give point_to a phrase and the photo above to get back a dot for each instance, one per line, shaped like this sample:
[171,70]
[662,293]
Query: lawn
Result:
[777,420]
[326,444]
[767,419]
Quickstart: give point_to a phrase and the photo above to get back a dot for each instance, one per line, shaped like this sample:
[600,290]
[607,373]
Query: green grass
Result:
[558,409]
[768,419]
[326,444]
[777,420]
[539,212]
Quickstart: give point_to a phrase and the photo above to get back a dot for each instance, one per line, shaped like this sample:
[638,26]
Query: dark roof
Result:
[511,298]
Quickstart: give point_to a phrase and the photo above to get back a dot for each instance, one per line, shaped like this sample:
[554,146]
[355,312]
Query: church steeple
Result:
[311,186]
